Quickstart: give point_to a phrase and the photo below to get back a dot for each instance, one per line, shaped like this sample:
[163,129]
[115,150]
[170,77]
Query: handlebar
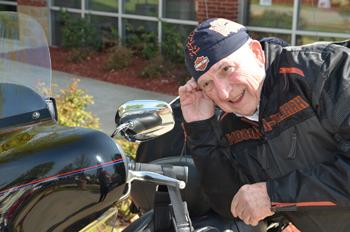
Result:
[164,174]
[180,172]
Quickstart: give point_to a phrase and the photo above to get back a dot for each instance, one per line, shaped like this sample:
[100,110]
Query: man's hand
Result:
[251,203]
[195,105]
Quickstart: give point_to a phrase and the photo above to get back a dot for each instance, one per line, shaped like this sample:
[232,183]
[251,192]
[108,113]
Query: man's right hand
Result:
[195,105]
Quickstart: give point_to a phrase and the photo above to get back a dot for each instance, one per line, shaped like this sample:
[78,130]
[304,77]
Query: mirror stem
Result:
[120,128]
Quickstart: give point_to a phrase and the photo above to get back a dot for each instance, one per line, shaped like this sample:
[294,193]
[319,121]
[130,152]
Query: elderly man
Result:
[282,145]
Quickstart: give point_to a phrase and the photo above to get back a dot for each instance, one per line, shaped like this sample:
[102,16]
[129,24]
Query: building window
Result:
[103,5]
[274,14]
[179,9]
[325,16]
[141,7]
[107,28]
[57,23]
[129,19]
[8,5]
[67,3]
[298,21]
[134,29]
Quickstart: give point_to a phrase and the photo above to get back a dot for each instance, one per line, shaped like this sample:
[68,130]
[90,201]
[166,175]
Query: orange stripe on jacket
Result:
[291,70]
[303,204]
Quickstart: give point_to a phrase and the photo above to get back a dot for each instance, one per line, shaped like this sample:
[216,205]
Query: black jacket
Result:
[300,146]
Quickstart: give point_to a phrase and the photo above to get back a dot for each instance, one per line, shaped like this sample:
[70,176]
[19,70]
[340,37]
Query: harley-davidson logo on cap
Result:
[201,63]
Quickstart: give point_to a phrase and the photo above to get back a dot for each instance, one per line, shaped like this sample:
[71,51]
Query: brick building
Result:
[224,8]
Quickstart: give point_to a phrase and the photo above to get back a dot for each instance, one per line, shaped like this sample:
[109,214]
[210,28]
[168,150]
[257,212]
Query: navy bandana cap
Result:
[212,40]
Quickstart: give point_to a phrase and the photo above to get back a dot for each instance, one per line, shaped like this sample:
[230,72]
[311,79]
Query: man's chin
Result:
[243,113]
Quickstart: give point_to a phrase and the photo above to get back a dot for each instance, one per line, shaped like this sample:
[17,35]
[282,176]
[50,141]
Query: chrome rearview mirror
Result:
[141,120]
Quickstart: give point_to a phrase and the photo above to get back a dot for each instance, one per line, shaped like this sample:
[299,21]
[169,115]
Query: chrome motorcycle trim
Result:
[155,178]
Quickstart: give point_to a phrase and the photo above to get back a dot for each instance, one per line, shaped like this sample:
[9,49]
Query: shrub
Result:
[71,107]
[79,33]
[156,67]
[124,211]
[173,44]
[180,73]
[110,38]
[129,148]
[159,67]
[142,42]
[119,57]
[173,49]
[150,45]
[79,54]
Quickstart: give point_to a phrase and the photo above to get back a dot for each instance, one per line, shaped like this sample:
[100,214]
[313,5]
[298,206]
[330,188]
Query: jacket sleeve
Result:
[326,184]
[220,174]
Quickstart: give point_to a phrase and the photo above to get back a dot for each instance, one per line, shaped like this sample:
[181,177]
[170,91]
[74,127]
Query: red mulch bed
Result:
[93,67]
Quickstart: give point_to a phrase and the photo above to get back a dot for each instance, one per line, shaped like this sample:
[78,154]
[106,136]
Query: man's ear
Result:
[255,46]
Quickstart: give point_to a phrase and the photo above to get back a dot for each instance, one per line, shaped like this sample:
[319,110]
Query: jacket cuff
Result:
[271,189]
[280,189]
[197,128]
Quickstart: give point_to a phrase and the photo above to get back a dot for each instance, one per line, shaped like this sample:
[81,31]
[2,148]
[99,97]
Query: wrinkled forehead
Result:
[234,59]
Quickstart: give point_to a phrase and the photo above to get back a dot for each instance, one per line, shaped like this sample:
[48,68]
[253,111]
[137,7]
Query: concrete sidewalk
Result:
[107,96]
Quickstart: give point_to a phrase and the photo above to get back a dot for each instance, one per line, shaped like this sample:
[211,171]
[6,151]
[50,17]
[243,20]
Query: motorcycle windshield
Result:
[25,65]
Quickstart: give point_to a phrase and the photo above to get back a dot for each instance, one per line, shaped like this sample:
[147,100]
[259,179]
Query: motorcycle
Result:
[58,178]
[52,177]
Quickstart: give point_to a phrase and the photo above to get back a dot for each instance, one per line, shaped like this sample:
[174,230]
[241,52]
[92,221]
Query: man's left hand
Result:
[251,203]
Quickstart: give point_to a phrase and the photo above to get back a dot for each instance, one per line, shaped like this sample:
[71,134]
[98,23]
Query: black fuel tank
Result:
[55,178]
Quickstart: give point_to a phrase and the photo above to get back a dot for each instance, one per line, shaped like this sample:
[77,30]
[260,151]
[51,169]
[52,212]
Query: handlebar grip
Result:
[180,172]
[142,122]
[146,122]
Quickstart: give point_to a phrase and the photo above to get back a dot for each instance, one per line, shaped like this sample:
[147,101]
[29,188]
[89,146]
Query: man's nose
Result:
[222,88]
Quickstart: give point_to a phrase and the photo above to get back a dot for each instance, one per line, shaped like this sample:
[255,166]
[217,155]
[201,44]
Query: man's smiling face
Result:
[234,83]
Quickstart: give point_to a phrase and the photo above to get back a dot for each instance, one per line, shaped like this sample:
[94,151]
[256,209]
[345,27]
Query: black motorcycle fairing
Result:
[20,105]
[67,175]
